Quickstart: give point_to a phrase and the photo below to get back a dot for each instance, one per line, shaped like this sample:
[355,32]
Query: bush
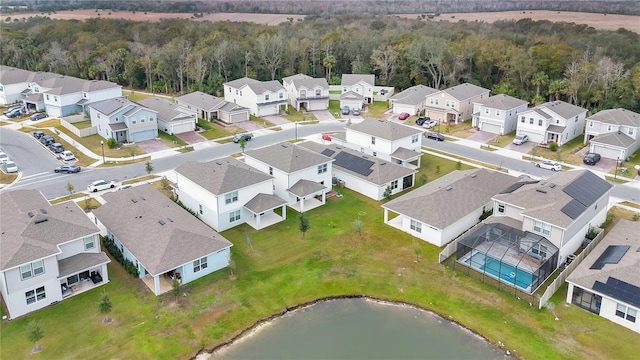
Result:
[553,146]
[112,143]
[110,245]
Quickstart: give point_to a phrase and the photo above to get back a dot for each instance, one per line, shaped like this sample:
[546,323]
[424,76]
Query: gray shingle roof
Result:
[201,100]
[306,81]
[387,130]
[614,138]
[288,157]
[413,95]
[62,84]
[617,116]
[465,91]
[556,128]
[351,95]
[258,87]
[159,247]
[468,190]
[405,154]
[502,102]
[111,106]
[167,111]
[81,262]
[351,79]
[264,202]
[561,108]
[10,75]
[221,176]
[304,188]
[25,238]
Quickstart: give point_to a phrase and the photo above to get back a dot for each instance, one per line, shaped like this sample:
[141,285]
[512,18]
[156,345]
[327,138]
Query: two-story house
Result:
[301,176]
[160,238]
[613,133]
[305,92]
[172,118]
[262,98]
[498,114]
[411,100]
[12,82]
[123,120]
[210,108]
[227,192]
[455,104]
[357,90]
[47,252]
[555,121]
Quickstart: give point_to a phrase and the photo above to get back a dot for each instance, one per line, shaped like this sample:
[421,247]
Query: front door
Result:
[407,182]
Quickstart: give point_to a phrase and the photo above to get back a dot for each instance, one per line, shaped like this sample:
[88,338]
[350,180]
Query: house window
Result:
[501,208]
[30,270]
[234,216]
[89,243]
[416,226]
[47,96]
[415,138]
[373,140]
[486,111]
[231,197]
[55,99]
[539,122]
[142,120]
[270,170]
[540,250]
[318,92]
[200,209]
[281,95]
[447,103]
[576,120]
[626,312]
[453,104]
[344,89]
[540,227]
[303,93]
[266,97]
[557,121]
[630,131]
[132,121]
[240,92]
[590,123]
[531,121]
[431,101]
[35,295]
[437,101]
[608,127]
[322,169]
[375,153]
[394,184]
[199,264]
[497,112]
[236,91]
[522,119]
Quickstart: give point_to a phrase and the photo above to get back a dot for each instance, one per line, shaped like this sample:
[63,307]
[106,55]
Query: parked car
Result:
[520,139]
[67,169]
[10,167]
[47,140]
[14,113]
[37,134]
[66,155]
[549,165]
[421,120]
[100,185]
[239,137]
[429,124]
[14,108]
[435,136]
[56,148]
[345,110]
[403,116]
[3,158]
[591,158]
[37,116]
[356,111]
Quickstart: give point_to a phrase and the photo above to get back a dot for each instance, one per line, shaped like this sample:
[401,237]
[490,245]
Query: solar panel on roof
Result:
[573,209]
[512,188]
[587,188]
[354,163]
[619,290]
[611,255]
[327,152]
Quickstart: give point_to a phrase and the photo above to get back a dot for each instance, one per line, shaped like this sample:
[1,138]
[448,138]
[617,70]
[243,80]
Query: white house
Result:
[411,100]
[123,120]
[210,108]
[301,176]
[441,210]
[262,98]
[606,282]
[454,104]
[305,92]
[172,118]
[555,121]
[365,174]
[227,192]
[357,90]
[498,114]
[12,82]
[613,133]
[163,240]
[48,252]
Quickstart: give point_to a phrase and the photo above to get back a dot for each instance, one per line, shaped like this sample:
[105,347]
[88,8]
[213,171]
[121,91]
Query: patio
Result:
[165,283]
[308,204]
[265,220]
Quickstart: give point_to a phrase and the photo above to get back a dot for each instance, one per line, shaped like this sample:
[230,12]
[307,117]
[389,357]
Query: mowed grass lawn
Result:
[275,269]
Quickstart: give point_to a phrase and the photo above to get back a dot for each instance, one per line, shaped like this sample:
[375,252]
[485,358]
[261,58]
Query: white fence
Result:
[451,247]
[67,123]
[380,93]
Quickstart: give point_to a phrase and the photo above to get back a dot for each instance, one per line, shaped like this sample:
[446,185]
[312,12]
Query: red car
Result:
[403,116]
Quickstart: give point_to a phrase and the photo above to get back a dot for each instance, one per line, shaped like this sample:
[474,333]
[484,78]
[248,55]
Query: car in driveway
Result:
[520,139]
[14,113]
[37,116]
[69,169]
[100,185]
[356,111]
[549,165]
[345,110]
[239,137]
[19,108]
[403,116]
[435,136]
[591,158]
[429,124]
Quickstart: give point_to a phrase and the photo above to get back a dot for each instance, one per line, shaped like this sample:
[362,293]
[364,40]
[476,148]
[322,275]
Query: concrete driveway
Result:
[524,148]
[277,119]
[603,165]
[191,137]
[323,115]
[248,125]
[482,136]
[153,145]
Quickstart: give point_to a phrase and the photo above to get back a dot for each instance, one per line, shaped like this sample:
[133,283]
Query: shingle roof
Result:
[617,116]
[448,199]
[62,84]
[288,157]
[201,100]
[27,238]
[167,111]
[221,176]
[502,102]
[258,87]
[351,79]
[157,231]
[306,81]
[111,106]
[413,95]
[81,262]
[304,188]
[615,139]
[351,95]
[10,75]
[465,91]
[564,109]
[264,202]
[556,128]
[405,154]
[387,130]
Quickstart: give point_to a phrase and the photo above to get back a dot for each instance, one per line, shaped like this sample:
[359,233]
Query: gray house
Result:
[306,92]
[498,114]
[210,108]
[411,100]
[613,133]
[172,118]
[123,120]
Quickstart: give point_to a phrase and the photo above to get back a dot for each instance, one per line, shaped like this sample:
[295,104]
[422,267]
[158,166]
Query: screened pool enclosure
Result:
[516,258]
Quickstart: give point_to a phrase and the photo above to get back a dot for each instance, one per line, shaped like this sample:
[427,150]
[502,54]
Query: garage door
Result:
[144,135]
[400,108]
[605,152]
[533,137]
[243,116]
[183,127]
[492,128]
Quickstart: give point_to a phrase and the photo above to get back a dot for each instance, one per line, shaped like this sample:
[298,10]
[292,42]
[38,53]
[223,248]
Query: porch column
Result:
[324,197]
[419,160]
[570,293]
[104,273]
[258,216]
[284,212]
[156,284]
[301,205]
[386,215]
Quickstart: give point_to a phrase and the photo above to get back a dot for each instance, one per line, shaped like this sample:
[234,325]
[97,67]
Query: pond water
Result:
[359,329]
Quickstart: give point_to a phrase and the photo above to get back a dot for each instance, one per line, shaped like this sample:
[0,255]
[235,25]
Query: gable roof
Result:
[306,81]
[32,228]
[258,87]
[413,95]
[617,116]
[62,84]
[564,109]
[465,91]
[351,95]
[383,129]
[288,157]
[352,79]
[614,138]
[167,111]
[502,102]
[462,191]
[111,106]
[157,231]
[201,100]
[221,176]
[304,188]
[11,75]
[264,202]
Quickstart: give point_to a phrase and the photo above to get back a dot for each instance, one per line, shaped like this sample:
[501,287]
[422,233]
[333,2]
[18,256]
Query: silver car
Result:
[549,165]
[100,185]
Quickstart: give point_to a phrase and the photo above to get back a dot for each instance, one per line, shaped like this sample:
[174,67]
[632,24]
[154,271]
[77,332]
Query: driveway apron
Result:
[191,137]
[153,145]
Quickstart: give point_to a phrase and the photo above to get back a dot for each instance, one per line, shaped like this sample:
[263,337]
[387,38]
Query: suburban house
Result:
[411,100]
[454,104]
[210,108]
[606,282]
[306,92]
[368,175]
[227,192]
[301,176]
[262,98]
[12,82]
[172,118]
[123,120]
[49,252]
[613,133]
[498,114]
[555,121]
[163,240]
[443,209]
[357,90]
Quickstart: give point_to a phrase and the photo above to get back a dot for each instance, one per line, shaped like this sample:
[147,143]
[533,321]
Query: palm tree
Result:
[539,79]
[329,62]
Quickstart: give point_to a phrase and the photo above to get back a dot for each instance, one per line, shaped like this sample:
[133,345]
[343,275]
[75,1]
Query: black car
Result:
[56,148]
[239,137]
[435,136]
[591,159]
[421,120]
[38,116]
[67,169]
[37,134]
[47,140]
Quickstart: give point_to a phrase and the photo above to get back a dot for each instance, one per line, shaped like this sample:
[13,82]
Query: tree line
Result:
[533,60]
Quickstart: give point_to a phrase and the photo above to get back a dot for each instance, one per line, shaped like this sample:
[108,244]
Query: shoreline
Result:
[207,353]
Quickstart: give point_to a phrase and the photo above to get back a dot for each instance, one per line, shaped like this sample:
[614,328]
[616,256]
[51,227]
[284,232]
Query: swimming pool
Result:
[504,271]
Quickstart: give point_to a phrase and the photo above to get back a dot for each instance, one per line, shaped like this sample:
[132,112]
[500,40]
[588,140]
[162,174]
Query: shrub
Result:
[591,234]
[112,143]
[553,146]
[110,245]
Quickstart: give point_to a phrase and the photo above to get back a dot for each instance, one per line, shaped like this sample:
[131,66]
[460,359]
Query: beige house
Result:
[454,104]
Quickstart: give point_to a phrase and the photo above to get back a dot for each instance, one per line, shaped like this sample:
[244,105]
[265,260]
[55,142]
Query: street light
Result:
[616,174]
[102,145]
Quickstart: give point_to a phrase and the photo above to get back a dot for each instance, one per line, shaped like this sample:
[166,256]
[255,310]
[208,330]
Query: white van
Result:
[67,155]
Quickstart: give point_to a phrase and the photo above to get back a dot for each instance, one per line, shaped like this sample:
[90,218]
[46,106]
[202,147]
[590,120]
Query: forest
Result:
[533,60]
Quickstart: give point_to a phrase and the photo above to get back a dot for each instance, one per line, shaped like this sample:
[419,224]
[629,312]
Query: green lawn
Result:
[213,132]
[631,172]
[503,140]
[566,153]
[376,110]
[170,140]
[293,115]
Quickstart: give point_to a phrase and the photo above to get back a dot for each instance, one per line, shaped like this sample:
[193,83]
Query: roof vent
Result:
[552,185]
[169,219]
[40,220]
[541,191]
[219,163]
[43,211]
[134,200]
[161,222]
[448,188]
[383,163]
[30,213]
[473,175]
[142,197]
